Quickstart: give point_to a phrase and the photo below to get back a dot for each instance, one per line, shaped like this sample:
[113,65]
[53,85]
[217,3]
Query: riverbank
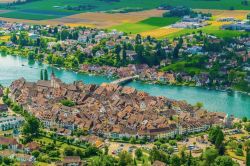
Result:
[234,103]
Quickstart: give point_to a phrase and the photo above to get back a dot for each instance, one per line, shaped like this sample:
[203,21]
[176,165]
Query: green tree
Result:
[138,153]
[13,38]
[248,157]
[125,159]
[219,138]
[46,74]
[175,160]
[210,155]
[223,161]
[244,119]
[41,74]
[199,105]
[69,151]
[247,127]
[32,127]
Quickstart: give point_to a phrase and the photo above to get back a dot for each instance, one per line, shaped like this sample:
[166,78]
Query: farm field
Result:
[146,25]
[49,8]
[161,32]
[238,14]
[95,19]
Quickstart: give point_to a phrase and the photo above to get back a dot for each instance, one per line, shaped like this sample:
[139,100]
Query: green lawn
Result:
[105,5]
[145,25]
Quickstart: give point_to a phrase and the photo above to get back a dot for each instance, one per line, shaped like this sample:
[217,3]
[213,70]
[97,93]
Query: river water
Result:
[238,104]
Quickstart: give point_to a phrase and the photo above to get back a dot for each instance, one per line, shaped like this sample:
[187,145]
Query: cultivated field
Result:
[104,20]
[161,32]
[95,19]
[238,14]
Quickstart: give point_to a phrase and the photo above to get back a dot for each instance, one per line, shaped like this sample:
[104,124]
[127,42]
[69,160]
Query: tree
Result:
[160,155]
[247,127]
[125,159]
[248,157]
[41,74]
[32,127]
[219,139]
[69,151]
[210,155]
[31,56]
[7,161]
[244,119]
[13,38]
[35,153]
[46,74]
[138,153]
[223,161]
[199,105]
[175,160]
[214,133]
[117,52]
[124,56]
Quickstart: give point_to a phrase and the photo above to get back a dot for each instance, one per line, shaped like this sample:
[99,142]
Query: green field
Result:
[146,25]
[43,7]
[29,16]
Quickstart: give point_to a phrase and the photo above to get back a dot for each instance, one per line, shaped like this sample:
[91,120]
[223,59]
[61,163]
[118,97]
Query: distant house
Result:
[3,108]
[70,161]
[10,143]
[24,157]
[1,92]
[32,146]
[131,54]
[158,163]
[10,122]
[33,36]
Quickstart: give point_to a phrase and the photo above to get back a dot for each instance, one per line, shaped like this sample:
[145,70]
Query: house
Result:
[70,161]
[99,53]
[26,163]
[10,122]
[32,146]
[6,153]
[131,55]
[23,157]
[10,143]
[158,163]
[1,91]
[3,108]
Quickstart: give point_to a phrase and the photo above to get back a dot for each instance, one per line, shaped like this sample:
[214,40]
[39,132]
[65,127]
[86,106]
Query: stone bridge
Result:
[124,80]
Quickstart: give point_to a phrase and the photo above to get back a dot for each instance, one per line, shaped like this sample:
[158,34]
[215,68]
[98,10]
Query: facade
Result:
[7,123]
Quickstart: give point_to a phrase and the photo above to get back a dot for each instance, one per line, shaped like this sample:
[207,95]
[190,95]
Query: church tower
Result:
[53,79]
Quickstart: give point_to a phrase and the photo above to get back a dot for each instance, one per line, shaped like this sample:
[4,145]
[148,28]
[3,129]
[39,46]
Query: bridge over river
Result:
[125,80]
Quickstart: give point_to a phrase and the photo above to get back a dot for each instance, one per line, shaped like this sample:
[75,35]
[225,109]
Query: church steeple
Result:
[52,76]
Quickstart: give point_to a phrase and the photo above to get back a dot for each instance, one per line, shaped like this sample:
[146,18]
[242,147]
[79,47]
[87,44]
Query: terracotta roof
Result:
[71,159]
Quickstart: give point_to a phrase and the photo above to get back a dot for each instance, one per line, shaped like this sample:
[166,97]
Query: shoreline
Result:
[78,71]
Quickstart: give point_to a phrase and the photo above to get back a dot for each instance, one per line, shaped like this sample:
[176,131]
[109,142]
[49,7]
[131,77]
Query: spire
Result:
[53,74]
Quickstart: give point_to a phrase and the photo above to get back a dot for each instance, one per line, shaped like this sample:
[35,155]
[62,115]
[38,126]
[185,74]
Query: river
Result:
[235,103]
